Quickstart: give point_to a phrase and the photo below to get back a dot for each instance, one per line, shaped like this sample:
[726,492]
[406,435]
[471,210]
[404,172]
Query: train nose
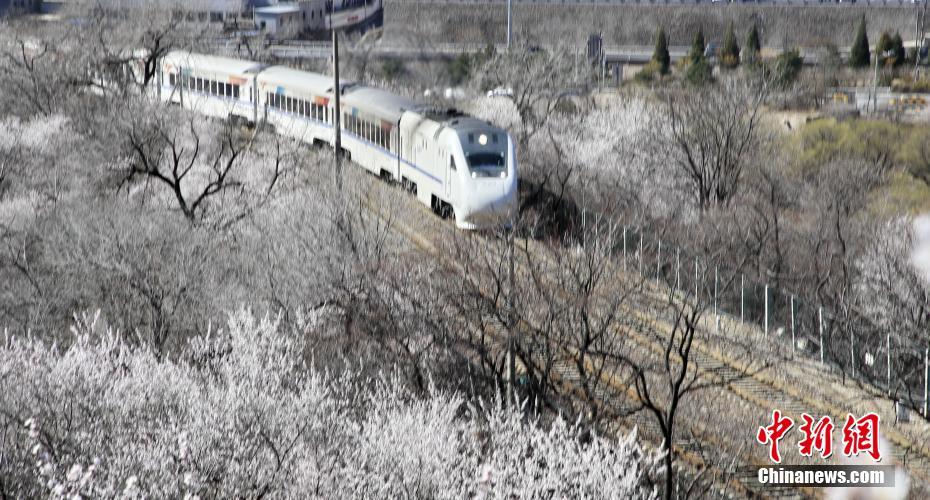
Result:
[490,207]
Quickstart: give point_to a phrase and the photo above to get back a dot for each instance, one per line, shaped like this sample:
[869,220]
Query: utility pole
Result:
[509,23]
[874,96]
[919,36]
[337,118]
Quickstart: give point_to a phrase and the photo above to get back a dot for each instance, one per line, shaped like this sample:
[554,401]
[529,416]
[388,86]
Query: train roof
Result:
[379,102]
[300,81]
[213,64]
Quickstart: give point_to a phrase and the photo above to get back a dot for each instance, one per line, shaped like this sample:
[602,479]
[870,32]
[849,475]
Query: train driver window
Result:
[452,162]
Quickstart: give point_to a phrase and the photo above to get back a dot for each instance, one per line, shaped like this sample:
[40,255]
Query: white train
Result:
[458,165]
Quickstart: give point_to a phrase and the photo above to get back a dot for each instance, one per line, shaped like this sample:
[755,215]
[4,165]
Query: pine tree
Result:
[884,49]
[660,56]
[897,45]
[729,54]
[753,45]
[697,47]
[859,53]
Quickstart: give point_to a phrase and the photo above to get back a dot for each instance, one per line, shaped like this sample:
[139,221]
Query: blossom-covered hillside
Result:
[242,414]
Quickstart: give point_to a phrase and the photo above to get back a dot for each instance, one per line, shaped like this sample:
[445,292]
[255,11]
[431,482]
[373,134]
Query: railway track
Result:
[759,390]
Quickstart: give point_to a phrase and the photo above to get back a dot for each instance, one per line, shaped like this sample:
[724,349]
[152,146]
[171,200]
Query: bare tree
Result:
[199,161]
[711,139]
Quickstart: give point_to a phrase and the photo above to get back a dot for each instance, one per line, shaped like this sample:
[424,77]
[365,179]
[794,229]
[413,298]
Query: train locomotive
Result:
[461,167]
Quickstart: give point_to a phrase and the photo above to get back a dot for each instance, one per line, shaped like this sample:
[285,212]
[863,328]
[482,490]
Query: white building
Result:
[287,20]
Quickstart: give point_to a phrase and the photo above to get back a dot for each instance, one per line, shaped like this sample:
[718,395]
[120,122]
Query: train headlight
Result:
[482,139]
[504,174]
[474,175]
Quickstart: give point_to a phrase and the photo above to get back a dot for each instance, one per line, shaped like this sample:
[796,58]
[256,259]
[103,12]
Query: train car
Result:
[461,167]
[221,87]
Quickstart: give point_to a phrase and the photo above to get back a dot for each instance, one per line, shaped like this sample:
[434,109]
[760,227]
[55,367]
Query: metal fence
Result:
[849,343]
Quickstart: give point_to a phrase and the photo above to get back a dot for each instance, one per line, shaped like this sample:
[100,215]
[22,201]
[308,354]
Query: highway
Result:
[627,54]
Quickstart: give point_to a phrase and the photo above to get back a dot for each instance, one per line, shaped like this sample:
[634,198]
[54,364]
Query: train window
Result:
[172,79]
[221,89]
[229,90]
[494,138]
[452,162]
[235,89]
[212,87]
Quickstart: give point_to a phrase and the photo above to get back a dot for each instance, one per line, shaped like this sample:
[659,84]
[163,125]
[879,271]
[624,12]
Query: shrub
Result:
[699,73]
[460,69]
[392,68]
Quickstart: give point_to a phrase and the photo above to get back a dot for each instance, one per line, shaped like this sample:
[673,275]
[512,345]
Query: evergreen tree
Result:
[884,49]
[697,47]
[729,53]
[660,57]
[897,45]
[753,45]
[859,53]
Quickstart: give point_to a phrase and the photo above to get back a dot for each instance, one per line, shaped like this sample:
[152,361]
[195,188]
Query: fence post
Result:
[889,363]
[624,249]
[820,313]
[641,253]
[715,291]
[678,268]
[742,298]
[852,351]
[926,379]
[658,262]
[794,343]
[765,299]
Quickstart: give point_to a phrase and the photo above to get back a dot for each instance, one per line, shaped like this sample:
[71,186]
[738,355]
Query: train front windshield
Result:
[490,164]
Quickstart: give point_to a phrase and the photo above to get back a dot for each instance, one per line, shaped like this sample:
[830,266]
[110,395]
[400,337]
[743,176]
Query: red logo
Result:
[772,434]
[859,435]
[817,436]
